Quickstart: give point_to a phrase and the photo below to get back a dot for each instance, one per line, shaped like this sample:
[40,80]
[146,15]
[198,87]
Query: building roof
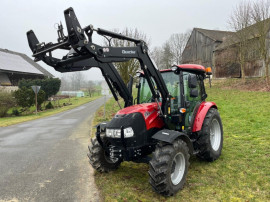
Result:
[215,35]
[20,63]
[249,32]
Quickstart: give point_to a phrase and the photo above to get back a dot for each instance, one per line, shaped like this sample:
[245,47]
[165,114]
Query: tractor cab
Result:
[186,87]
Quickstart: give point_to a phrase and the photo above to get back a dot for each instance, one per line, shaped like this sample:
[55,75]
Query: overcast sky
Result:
[156,18]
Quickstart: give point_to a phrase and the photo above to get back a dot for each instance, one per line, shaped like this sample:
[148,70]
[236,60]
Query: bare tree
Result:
[177,44]
[156,55]
[91,88]
[260,16]
[171,51]
[65,82]
[130,67]
[240,21]
[73,81]
[167,55]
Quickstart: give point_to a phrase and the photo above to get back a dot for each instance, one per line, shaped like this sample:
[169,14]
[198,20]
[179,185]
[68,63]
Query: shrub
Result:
[25,97]
[50,85]
[49,106]
[40,98]
[6,102]
[15,112]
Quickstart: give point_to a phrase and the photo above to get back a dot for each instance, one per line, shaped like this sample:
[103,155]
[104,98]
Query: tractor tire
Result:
[210,139]
[168,167]
[99,159]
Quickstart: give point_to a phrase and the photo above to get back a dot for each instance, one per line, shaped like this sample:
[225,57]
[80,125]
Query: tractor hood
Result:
[144,120]
[149,111]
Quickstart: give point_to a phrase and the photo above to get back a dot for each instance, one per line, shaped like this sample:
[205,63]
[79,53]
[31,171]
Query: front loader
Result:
[169,122]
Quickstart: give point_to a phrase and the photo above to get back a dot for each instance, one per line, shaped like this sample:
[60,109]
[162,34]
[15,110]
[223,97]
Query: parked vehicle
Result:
[169,122]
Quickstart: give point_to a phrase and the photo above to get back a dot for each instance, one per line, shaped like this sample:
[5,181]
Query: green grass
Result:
[6,121]
[242,173]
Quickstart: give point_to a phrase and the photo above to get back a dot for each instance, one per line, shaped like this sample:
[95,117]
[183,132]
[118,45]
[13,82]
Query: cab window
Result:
[172,82]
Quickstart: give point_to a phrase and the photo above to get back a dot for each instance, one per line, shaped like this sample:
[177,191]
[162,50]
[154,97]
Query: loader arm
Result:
[80,40]
[108,70]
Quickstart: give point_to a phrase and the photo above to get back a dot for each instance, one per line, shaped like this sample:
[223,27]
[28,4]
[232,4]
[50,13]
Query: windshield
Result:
[172,82]
[145,92]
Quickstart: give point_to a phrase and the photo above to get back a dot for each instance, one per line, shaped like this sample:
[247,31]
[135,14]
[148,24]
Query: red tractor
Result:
[168,121]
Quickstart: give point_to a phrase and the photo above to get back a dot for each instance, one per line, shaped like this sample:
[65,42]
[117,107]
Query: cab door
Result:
[192,96]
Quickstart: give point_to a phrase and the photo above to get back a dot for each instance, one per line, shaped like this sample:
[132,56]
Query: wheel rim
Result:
[215,134]
[178,168]
[110,159]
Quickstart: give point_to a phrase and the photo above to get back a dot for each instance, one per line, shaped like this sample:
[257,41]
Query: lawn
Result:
[242,173]
[75,102]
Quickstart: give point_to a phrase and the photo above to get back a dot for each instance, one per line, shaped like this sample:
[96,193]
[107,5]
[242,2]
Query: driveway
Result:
[45,159]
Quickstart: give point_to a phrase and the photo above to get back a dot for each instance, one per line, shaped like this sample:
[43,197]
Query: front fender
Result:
[170,135]
[201,113]
[102,126]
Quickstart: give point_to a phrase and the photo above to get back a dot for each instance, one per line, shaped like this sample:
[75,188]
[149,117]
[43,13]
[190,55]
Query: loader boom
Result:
[89,54]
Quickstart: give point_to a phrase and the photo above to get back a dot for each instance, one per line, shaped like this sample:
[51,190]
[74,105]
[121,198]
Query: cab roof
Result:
[198,69]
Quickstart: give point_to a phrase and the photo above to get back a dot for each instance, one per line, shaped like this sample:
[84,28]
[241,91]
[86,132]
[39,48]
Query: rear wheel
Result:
[169,167]
[210,141]
[100,159]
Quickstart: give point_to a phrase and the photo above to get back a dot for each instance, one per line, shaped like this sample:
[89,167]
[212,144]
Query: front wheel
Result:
[169,167]
[210,141]
[100,159]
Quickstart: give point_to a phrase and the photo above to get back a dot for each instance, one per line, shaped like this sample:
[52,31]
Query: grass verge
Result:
[241,173]
[6,121]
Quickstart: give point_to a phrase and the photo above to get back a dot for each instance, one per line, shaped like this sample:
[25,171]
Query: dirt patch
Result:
[250,84]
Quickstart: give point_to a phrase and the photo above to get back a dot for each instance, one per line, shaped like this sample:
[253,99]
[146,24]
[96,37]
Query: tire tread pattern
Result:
[205,149]
[97,158]
[159,166]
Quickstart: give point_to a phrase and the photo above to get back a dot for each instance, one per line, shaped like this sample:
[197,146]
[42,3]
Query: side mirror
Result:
[194,93]
[192,81]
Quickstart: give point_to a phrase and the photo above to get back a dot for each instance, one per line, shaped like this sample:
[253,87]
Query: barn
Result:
[231,54]
[15,66]
[245,52]
[201,45]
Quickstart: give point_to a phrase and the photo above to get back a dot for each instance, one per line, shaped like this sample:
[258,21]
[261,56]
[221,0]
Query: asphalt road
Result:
[45,159]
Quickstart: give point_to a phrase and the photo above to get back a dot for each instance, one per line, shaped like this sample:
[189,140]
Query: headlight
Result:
[128,132]
[116,133]
[109,132]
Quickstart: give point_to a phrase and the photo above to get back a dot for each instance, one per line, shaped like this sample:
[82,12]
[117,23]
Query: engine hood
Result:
[141,108]
[149,111]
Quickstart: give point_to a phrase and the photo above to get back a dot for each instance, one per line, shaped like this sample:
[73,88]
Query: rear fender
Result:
[169,136]
[201,113]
